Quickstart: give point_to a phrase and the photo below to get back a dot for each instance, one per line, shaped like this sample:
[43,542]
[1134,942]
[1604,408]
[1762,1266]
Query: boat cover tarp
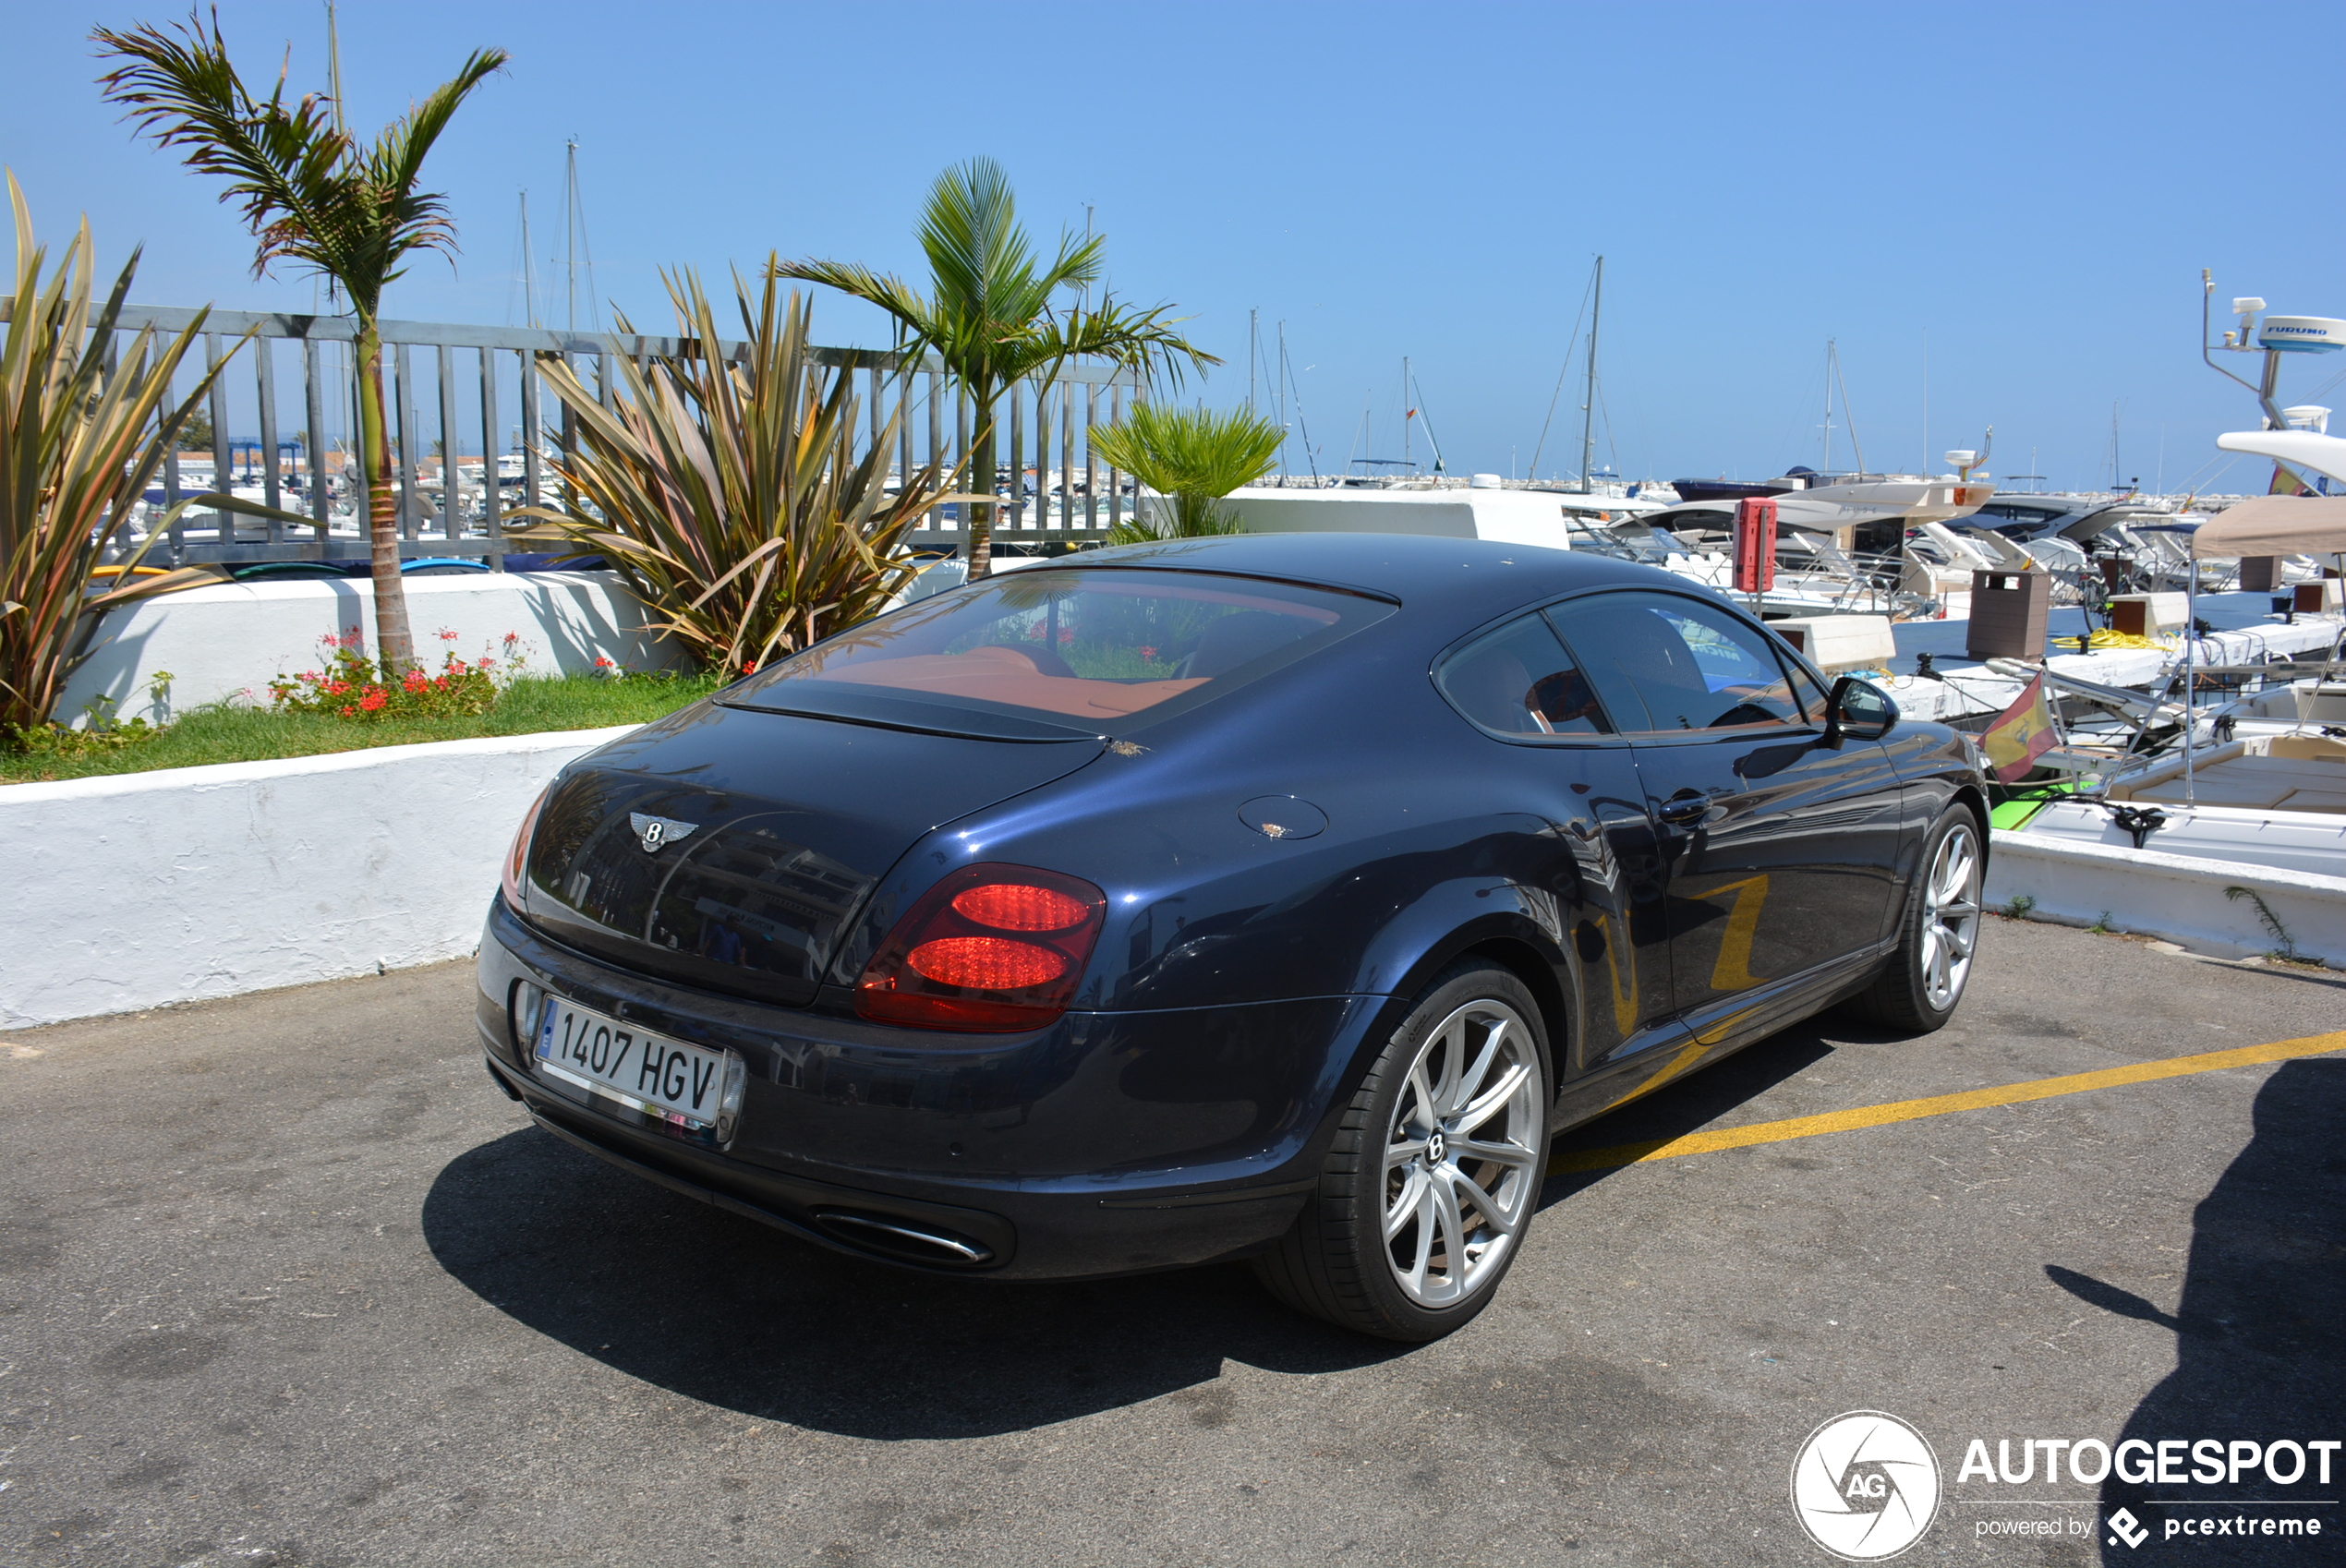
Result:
[2274,526]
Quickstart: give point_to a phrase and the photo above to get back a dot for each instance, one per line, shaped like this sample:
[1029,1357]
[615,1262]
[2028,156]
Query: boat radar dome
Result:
[2308,417]
[1484,482]
[2302,334]
[1962,459]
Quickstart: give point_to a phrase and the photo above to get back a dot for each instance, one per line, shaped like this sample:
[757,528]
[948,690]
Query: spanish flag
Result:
[2021,734]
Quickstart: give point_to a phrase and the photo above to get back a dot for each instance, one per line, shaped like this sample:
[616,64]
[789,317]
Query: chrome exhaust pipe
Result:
[901,1238]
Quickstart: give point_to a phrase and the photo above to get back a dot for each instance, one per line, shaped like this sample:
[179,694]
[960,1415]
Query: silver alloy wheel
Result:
[1460,1153]
[1950,917]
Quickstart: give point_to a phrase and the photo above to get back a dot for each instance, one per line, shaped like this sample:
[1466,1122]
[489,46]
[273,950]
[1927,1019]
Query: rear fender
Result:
[1516,927]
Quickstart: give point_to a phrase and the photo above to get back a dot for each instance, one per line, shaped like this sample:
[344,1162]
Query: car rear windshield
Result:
[1049,653]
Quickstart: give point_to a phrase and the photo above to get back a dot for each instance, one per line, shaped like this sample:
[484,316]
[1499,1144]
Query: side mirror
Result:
[1858,710]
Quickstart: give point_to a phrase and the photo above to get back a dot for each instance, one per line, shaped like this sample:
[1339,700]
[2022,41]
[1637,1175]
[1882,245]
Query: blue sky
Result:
[2028,190]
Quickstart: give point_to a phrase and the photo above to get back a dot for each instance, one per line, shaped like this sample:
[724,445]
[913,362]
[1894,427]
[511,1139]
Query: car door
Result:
[1518,684]
[1779,838]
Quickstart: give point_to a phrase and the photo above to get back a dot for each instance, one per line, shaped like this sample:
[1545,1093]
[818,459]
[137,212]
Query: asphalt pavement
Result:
[285,1280]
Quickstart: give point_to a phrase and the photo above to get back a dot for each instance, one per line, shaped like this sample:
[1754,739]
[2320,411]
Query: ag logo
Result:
[1865,1486]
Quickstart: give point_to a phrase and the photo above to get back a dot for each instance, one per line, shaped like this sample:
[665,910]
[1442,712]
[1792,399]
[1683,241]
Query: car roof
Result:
[1468,581]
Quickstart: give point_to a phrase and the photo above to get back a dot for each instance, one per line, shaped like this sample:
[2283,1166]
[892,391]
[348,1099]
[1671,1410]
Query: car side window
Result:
[1520,680]
[1812,701]
[1676,664]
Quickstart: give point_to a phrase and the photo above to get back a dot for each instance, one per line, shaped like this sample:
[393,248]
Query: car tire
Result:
[1919,990]
[1458,1098]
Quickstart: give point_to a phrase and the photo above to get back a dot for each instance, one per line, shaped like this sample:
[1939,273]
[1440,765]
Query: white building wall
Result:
[225,642]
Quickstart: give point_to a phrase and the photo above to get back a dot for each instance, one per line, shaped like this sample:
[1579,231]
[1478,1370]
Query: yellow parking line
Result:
[1939,1104]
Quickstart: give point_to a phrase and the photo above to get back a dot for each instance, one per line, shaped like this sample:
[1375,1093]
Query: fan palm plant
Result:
[78,444]
[729,495]
[988,315]
[313,195]
[1192,458]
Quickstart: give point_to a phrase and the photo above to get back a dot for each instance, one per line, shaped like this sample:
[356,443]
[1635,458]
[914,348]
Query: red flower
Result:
[1149,654]
[1067,636]
[749,667]
[346,713]
[446,635]
[486,665]
[336,688]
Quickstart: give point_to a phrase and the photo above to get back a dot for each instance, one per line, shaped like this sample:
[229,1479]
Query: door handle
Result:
[1685,806]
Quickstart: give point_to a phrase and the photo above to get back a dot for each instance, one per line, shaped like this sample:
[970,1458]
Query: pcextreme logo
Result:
[1865,1486]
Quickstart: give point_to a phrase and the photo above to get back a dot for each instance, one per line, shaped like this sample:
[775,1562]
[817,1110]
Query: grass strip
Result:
[528,707]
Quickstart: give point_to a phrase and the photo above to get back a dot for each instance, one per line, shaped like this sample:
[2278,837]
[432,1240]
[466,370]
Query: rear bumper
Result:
[1109,1143]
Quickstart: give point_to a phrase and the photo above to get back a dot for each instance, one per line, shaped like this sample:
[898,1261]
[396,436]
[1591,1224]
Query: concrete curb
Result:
[2179,898]
[141,889]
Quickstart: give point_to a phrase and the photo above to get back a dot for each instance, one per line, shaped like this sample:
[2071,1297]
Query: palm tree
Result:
[1194,458]
[989,313]
[313,195]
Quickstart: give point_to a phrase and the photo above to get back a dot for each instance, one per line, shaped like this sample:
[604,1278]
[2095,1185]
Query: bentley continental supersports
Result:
[1265,897]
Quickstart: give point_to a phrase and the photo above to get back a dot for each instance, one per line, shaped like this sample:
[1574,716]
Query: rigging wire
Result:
[1310,459]
[1561,374]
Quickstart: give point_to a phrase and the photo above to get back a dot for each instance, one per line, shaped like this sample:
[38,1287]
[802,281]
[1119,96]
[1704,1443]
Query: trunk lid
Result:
[729,849]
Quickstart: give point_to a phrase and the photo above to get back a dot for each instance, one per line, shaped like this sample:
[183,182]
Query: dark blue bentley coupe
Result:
[1269,896]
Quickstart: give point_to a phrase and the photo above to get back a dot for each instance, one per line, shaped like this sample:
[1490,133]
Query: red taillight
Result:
[990,947]
[519,853]
[1020,906]
[985,963]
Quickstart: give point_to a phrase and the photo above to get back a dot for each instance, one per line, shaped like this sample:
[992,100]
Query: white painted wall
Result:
[220,641]
[2174,897]
[146,888]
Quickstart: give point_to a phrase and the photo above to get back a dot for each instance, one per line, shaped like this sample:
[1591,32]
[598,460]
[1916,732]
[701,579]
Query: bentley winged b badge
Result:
[657,830]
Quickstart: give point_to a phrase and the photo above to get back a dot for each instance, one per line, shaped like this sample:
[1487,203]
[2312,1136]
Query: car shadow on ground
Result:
[732,1313]
[1691,1102]
[2259,1353]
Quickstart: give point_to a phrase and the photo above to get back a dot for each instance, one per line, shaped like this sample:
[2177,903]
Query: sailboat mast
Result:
[1588,409]
[1404,412]
[1824,463]
[528,269]
[1253,336]
[570,230]
[334,65]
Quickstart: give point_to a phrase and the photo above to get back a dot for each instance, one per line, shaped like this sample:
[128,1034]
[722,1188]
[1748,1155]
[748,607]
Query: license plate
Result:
[687,1086]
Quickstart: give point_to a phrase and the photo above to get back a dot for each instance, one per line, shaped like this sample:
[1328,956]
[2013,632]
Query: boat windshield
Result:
[1051,653]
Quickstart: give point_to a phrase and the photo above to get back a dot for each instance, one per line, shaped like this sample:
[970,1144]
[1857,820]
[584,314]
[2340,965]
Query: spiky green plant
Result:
[315,196]
[729,495]
[989,313]
[1192,457]
[79,442]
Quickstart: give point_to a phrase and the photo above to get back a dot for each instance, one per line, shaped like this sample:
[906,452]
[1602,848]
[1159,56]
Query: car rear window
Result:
[1519,682]
[1097,650]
